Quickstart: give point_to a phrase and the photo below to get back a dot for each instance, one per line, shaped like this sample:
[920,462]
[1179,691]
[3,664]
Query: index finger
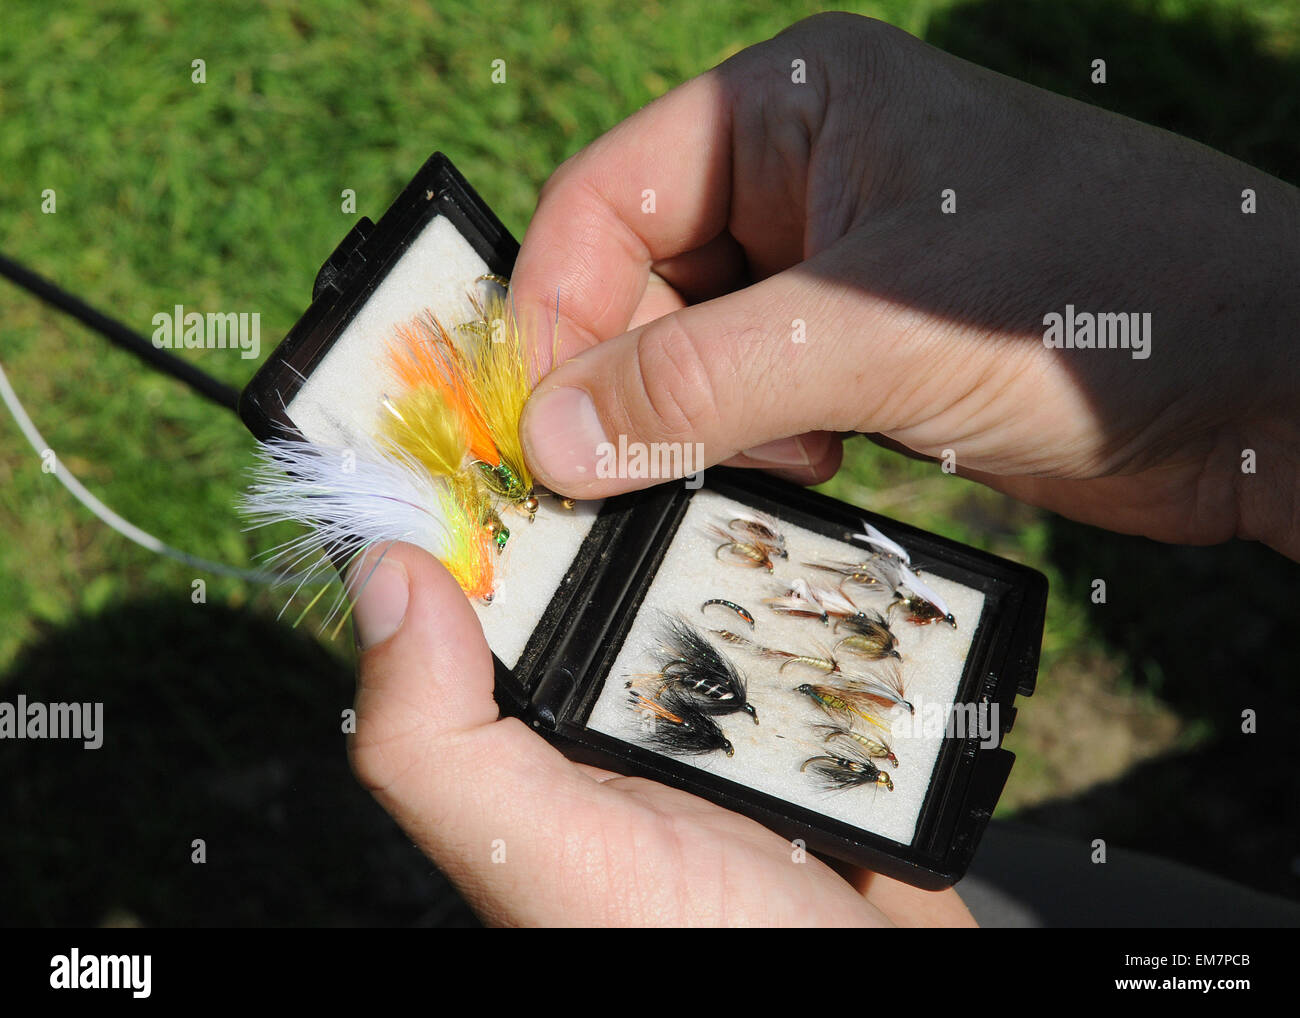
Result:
[656,186]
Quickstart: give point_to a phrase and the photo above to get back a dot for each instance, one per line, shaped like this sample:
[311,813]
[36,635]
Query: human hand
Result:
[777,201]
[822,202]
[530,838]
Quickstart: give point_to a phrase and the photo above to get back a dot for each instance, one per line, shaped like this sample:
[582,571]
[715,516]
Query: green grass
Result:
[227,195]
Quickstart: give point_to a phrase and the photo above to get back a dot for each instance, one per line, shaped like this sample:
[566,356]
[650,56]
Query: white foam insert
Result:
[340,401]
[768,756]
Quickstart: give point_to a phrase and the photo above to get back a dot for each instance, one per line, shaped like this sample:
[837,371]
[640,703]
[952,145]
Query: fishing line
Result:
[124,527]
[198,381]
[121,335]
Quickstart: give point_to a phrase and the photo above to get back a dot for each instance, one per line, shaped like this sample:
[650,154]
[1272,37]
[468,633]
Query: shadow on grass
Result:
[1208,74]
[1210,631]
[217,725]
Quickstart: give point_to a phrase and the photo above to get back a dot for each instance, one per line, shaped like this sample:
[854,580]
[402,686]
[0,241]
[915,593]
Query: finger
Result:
[803,459]
[717,268]
[428,743]
[793,354]
[911,906]
[396,591]
[658,300]
[654,187]
[903,904]
[885,442]
[1160,503]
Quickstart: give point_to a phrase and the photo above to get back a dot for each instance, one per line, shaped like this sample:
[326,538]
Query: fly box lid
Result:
[876,742]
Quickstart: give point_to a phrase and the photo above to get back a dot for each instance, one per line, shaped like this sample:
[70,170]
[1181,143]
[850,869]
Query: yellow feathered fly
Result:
[497,364]
[445,455]
[435,419]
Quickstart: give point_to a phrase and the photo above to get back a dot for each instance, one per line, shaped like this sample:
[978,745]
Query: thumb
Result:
[428,744]
[424,681]
[753,378]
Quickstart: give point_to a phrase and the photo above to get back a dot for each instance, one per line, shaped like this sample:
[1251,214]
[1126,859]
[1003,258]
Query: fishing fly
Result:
[751,554]
[884,691]
[352,500]
[845,704]
[499,375]
[691,663]
[732,606]
[835,603]
[884,688]
[876,749]
[460,404]
[730,637]
[882,544]
[444,460]
[798,601]
[676,724]
[922,604]
[822,662]
[870,636]
[419,426]
[877,570]
[848,767]
[760,529]
[888,572]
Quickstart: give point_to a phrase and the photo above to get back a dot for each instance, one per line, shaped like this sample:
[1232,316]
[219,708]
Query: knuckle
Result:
[370,765]
[677,398]
[869,50]
[379,758]
[565,174]
[846,27]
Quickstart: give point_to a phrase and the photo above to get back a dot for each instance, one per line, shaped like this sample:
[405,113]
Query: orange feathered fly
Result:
[425,355]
